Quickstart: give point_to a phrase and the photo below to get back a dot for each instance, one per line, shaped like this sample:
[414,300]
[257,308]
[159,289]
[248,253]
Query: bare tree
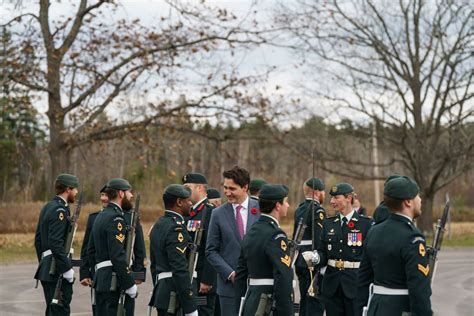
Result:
[406,66]
[90,64]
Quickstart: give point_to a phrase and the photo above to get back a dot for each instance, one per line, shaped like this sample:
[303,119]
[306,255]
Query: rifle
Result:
[194,252]
[312,289]
[437,240]
[131,229]
[58,294]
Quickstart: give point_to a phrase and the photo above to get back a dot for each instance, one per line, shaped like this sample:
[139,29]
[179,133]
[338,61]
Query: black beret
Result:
[118,184]
[194,178]
[68,180]
[315,184]
[213,193]
[402,188]
[104,188]
[178,190]
[256,184]
[341,189]
[273,192]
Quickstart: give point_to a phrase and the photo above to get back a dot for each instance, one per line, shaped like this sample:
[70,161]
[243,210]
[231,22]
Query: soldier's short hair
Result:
[267,206]
[111,193]
[59,188]
[239,175]
[394,205]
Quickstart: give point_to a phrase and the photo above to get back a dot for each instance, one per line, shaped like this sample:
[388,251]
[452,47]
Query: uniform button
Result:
[340,250]
[340,240]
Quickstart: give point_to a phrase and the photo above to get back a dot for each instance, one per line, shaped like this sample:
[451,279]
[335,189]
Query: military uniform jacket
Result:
[317,226]
[107,242]
[169,241]
[85,270]
[200,216]
[51,231]
[395,256]
[338,243]
[265,255]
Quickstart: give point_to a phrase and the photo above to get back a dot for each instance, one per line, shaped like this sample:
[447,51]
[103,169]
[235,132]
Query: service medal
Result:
[329,247]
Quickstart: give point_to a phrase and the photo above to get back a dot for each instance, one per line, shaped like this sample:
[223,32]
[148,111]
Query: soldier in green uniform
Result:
[169,240]
[106,249]
[381,212]
[313,189]
[395,258]
[254,188]
[86,271]
[341,250]
[199,216]
[264,276]
[50,236]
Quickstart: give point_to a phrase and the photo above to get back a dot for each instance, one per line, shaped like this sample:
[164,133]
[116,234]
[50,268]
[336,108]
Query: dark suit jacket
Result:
[224,243]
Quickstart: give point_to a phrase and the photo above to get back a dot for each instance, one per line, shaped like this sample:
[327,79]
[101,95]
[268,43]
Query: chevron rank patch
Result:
[423,269]
[120,237]
[180,237]
[286,260]
[181,250]
[283,245]
[422,250]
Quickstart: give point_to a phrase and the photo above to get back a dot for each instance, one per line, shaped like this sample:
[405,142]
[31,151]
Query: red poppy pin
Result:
[192,213]
[350,225]
[254,211]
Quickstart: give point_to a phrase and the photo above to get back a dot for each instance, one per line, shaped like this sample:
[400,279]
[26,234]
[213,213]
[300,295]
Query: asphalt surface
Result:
[453,289]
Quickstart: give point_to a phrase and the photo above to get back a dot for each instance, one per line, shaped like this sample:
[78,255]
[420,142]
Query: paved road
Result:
[453,291]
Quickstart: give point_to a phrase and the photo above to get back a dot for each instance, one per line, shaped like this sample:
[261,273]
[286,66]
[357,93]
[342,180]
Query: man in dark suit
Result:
[227,228]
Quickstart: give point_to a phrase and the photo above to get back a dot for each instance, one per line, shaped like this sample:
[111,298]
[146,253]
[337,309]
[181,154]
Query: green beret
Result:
[213,193]
[178,190]
[194,178]
[315,184]
[393,176]
[256,184]
[341,189]
[402,188]
[273,192]
[119,184]
[68,180]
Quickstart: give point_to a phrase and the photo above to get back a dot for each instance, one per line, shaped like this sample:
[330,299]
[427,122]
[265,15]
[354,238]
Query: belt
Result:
[306,243]
[339,264]
[260,281]
[166,275]
[46,253]
[378,289]
[103,264]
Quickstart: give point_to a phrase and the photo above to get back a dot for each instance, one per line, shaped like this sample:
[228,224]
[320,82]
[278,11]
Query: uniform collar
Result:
[272,218]
[348,216]
[65,202]
[173,213]
[310,199]
[405,216]
[195,206]
[120,208]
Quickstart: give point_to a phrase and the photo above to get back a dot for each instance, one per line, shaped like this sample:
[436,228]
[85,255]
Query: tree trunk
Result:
[425,221]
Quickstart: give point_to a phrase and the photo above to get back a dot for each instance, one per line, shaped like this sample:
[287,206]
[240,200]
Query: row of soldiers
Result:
[345,264]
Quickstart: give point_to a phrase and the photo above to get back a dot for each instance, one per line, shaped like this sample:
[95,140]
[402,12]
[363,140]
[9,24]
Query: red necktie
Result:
[239,221]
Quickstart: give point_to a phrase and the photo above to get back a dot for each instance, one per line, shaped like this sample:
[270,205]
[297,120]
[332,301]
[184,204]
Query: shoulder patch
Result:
[283,245]
[422,250]
[180,237]
[119,226]
[417,239]
[321,215]
[61,216]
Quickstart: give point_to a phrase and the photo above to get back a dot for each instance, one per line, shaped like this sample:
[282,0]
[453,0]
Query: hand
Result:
[86,281]
[69,275]
[316,257]
[138,282]
[232,277]
[204,288]
[308,257]
[132,291]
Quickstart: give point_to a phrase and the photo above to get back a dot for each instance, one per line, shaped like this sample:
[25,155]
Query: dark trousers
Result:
[339,304]
[106,303]
[48,291]
[227,304]
[309,306]
[217,307]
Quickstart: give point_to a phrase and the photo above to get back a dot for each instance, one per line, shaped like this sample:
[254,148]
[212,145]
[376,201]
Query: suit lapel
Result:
[231,219]
[251,218]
